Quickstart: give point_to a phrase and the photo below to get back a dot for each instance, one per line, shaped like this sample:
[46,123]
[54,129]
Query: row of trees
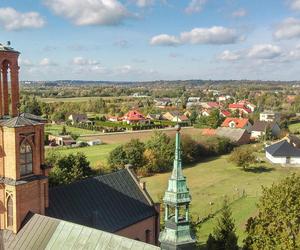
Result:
[157,154]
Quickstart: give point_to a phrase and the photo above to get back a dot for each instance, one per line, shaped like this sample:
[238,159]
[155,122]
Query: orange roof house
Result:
[134,116]
[231,122]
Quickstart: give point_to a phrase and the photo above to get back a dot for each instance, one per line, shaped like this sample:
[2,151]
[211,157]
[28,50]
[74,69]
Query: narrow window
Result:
[10,210]
[25,158]
[148,234]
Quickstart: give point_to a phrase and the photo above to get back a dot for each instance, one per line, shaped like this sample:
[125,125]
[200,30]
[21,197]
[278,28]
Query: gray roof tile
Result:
[284,149]
[108,202]
[42,232]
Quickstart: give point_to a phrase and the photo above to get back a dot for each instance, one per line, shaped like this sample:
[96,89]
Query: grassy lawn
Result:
[95,154]
[294,127]
[210,180]
[55,129]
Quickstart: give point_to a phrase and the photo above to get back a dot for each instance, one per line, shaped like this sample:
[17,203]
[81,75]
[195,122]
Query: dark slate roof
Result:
[42,232]
[284,149]
[18,121]
[108,202]
[262,125]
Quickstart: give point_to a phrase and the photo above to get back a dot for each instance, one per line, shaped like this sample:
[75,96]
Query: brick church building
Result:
[104,212]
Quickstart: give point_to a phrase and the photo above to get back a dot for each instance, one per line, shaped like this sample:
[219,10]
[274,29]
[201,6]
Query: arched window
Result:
[25,158]
[148,235]
[10,212]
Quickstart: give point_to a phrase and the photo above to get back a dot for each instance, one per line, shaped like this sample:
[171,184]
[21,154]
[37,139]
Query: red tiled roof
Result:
[183,118]
[239,122]
[236,106]
[247,110]
[225,112]
[213,104]
[133,115]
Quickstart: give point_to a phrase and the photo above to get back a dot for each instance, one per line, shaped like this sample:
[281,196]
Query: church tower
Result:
[177,232]
[23,177]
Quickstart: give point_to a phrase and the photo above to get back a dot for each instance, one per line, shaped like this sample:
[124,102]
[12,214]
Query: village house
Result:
[61,140]
[237,136]
[210,105]
[241,109]
[175,116]
[248,105]
[283,152]
[237,123]
[270,116]
[154,117]
[162,103]
[223,98]
[193,102]
[112,118]
[78,118]
[134,117]
[259,129]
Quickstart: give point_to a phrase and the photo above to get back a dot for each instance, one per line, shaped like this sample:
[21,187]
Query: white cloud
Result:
[288,29]
[47,62]
[294,4]
[213,35]
[83,61]
[239,13]
[227,55]
[165,40]
[144,3]
[10,19]
[195,6]
[89,12]
[264,51]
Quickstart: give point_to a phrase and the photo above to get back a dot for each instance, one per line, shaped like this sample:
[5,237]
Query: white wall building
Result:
[283,153]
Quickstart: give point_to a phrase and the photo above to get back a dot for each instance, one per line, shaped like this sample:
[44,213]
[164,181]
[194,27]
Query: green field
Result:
[294,128]
[210,180]
[95,154]
[55,129]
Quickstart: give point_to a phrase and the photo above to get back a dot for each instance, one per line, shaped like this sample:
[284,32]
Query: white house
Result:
[269,116]
[284,153]
[259,129]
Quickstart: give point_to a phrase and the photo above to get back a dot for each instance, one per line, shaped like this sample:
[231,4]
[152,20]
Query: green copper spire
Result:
[177,232]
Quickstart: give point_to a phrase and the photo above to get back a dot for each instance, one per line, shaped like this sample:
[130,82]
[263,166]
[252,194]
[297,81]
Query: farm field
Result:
[210,180]
[294,128]
[95,154]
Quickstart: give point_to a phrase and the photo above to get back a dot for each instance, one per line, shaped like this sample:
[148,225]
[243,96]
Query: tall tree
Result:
[277,225]
[224,237]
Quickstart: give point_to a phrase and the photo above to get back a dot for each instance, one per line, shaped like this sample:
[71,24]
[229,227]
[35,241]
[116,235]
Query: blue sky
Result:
[154,39]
